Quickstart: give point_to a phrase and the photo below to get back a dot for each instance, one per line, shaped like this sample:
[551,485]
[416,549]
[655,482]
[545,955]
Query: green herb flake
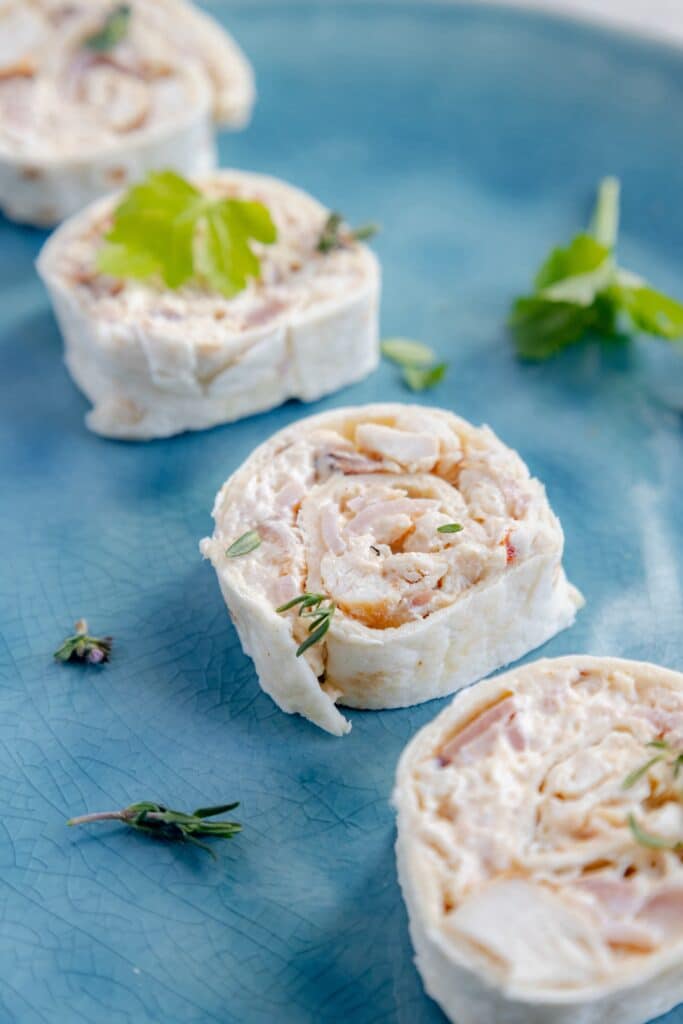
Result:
[638,773]
[161,823]
[644,838]
[165,226]
[114,29]
[450,528]
[249,541]
[580,289]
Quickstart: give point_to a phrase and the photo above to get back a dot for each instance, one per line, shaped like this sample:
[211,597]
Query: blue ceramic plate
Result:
[476,136]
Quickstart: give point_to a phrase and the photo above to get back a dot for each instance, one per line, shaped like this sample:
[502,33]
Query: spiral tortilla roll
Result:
[156,362]
[76,122]
[530,899]
[348,504]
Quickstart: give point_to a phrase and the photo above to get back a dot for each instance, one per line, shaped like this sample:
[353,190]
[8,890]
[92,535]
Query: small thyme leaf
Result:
[94,650]
[317,607]
[420,378]
[249,541]
[646,839]
[636,776]
[335,234]
[406,352]
[675,764]
[450,528]
[162,823]
[113,30]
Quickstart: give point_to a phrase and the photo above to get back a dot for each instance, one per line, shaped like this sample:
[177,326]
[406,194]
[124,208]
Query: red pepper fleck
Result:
[510,550]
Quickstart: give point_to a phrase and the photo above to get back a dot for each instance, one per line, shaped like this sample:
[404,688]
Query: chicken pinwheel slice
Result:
[398,553]
[156,360]
[540,845]
[93,93]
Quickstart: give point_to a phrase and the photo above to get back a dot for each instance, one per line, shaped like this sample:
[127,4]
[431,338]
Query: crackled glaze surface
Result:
[487,155]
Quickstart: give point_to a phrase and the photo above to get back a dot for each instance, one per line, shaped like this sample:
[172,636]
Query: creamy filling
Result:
[524,827]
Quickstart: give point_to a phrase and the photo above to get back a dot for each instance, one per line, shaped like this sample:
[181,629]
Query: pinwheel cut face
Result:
[60,99]
[355,512]
[295,278]
[524,825]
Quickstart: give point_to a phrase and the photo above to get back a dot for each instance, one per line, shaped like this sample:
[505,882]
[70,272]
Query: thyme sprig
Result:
[336,234]
[674,760]
[113,30]
[94,650]
[319,609]
[162,823]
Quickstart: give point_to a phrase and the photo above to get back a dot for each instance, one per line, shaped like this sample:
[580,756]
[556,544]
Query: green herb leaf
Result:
[638,773]
[653,312]
[94,650]
[450,528]
[405,352]
[162,823]
[419,378]
[317,607]
[336,235]
[165,226]
[249,541]
[646,839]
[674,764]
[582,257]
[113,30]
[580,289]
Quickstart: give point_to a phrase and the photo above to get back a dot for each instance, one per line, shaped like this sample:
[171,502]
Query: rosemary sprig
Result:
[85,648]
[335,234]
[161,823]
[316,607]
[249,541]
[642,837]
[450,528]
[113,30]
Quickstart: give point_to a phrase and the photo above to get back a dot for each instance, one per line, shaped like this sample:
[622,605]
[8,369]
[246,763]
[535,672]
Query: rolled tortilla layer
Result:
[531,899]
[76,123]
[156,362]
[349,504]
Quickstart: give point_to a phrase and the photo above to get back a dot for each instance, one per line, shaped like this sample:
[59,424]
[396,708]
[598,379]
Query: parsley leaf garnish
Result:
[113,30]
[165,226]
[581,289]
